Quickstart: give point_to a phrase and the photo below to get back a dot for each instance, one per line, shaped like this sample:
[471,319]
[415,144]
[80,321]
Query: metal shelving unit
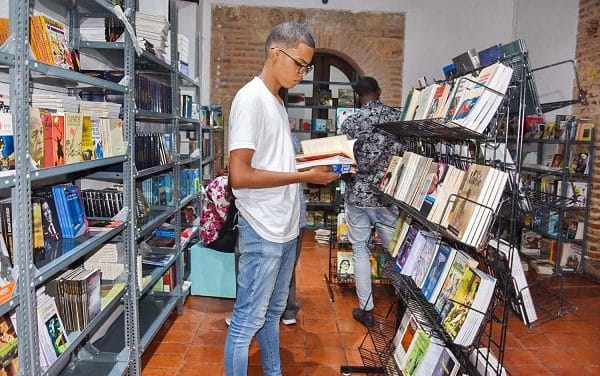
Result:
[143,311]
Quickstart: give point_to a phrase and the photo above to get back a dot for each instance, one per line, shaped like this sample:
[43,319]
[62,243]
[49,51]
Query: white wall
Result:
[437,30]
[550,32]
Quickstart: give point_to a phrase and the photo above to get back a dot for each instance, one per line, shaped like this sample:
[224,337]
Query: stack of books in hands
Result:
[336,151]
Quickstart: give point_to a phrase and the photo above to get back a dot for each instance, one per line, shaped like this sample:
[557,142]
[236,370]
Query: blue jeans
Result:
[360,220]
[265,270]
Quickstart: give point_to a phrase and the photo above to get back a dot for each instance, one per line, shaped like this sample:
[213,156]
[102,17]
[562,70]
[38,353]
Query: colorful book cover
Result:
[97,138]
[416,353]
[345,97]
[73,137]
[7,146]
[8,340]
[54,130]
[345,264]
[87,141]
[455,313]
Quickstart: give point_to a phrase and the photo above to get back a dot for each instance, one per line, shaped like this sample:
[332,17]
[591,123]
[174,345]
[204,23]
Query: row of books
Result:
[539,248]
[576,191]
[188,143]
[345,265]
[49,43]
[62,138]
[578,162]
[77,294]
[313,125]
[562,128]
[319,218]
[152,149]
[108,202]
[470,102]
[447,277]
[158,189]
[464,202]
[324,97]
[318,194]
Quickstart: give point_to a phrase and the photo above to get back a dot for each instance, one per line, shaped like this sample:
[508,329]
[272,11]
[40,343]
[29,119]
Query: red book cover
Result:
[54,140]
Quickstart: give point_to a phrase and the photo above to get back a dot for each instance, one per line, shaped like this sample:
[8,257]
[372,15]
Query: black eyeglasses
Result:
[302,68]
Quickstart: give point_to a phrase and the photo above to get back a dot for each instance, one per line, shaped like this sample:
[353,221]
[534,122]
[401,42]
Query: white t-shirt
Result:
[259,121]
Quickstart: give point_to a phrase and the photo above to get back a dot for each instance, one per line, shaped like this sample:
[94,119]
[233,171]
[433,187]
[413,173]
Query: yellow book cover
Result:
[87,141]
[73,136]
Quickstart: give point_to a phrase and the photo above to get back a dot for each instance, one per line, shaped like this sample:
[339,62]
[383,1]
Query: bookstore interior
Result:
[109,146]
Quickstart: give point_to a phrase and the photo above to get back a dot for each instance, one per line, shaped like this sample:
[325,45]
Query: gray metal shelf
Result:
[189,198]
[7,59]
[206,161]
[154,220]
[152,115]
[72,250]
[158,272]
[45,173]
[76,338]
[187,160]
[97,363]
[186,81]
[159,307]
[56,76]
[187,120]
[154,170]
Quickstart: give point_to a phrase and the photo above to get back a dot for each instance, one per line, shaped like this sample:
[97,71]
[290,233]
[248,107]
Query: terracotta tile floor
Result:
[326,336]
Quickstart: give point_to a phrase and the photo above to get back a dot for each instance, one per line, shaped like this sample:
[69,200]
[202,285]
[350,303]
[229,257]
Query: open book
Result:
[335,150]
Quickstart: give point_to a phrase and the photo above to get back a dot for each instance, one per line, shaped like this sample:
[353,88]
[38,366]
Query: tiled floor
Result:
[326,336]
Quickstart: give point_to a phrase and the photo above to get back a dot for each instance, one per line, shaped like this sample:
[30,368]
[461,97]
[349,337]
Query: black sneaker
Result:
[363,317]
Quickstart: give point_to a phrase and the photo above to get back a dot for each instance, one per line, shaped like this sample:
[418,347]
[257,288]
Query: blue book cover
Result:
[59,203]
[435,271]
[75,214]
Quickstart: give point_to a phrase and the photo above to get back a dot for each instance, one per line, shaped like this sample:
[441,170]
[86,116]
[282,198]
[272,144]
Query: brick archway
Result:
[372,41]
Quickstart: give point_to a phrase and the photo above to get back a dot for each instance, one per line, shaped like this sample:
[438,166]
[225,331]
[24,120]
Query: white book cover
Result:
[483,209]
[409,113]
[474,99]
[423,243]
[425,187]
[425,101]
[421,171]
[521,285]
[460,87]
[489,111]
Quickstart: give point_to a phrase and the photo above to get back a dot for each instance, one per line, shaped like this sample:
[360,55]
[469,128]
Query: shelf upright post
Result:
[21,193]
[175,136]
[132,327]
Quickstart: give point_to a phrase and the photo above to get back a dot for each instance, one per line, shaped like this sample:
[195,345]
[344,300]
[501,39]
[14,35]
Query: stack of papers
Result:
[154,29]
[55,102]
[93,29]
[100,109]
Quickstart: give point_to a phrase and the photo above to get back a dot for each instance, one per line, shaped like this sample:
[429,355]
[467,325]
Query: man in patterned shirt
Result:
[364,207]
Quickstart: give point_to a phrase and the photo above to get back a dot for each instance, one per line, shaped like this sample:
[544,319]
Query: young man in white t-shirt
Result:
[265,183]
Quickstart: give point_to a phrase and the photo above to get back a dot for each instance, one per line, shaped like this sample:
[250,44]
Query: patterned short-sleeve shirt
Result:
[373,150]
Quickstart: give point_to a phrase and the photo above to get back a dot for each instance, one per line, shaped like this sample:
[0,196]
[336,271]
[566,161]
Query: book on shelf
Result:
[571,256]
[296,99]
[345,97]
[342,113]
[452,279]
[584,131]
[71,214]
[8,273]
[576,191]
[9,358]
[466,61]
[345,264]
[575,229]
[579,163]
[325,97]
[436,183]
[54,136]
[399,234]
[410,106]
[522,301]
[416,353]
[390,178]
[425,101]
[342,228]
[109,259]
[53,339]
[7,145]
[36,137]
[73,137]
[476,202]
[440,210]
[49,43]
[87,141]
[486,363]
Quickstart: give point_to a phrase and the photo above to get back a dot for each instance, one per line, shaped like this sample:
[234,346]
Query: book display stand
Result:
[131,313]
[496,255]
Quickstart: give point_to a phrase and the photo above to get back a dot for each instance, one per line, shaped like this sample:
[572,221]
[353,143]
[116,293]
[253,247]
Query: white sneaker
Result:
[228,320]
[291,321]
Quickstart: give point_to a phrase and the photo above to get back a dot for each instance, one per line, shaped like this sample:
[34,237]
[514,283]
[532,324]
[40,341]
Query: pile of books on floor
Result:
[322,236]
